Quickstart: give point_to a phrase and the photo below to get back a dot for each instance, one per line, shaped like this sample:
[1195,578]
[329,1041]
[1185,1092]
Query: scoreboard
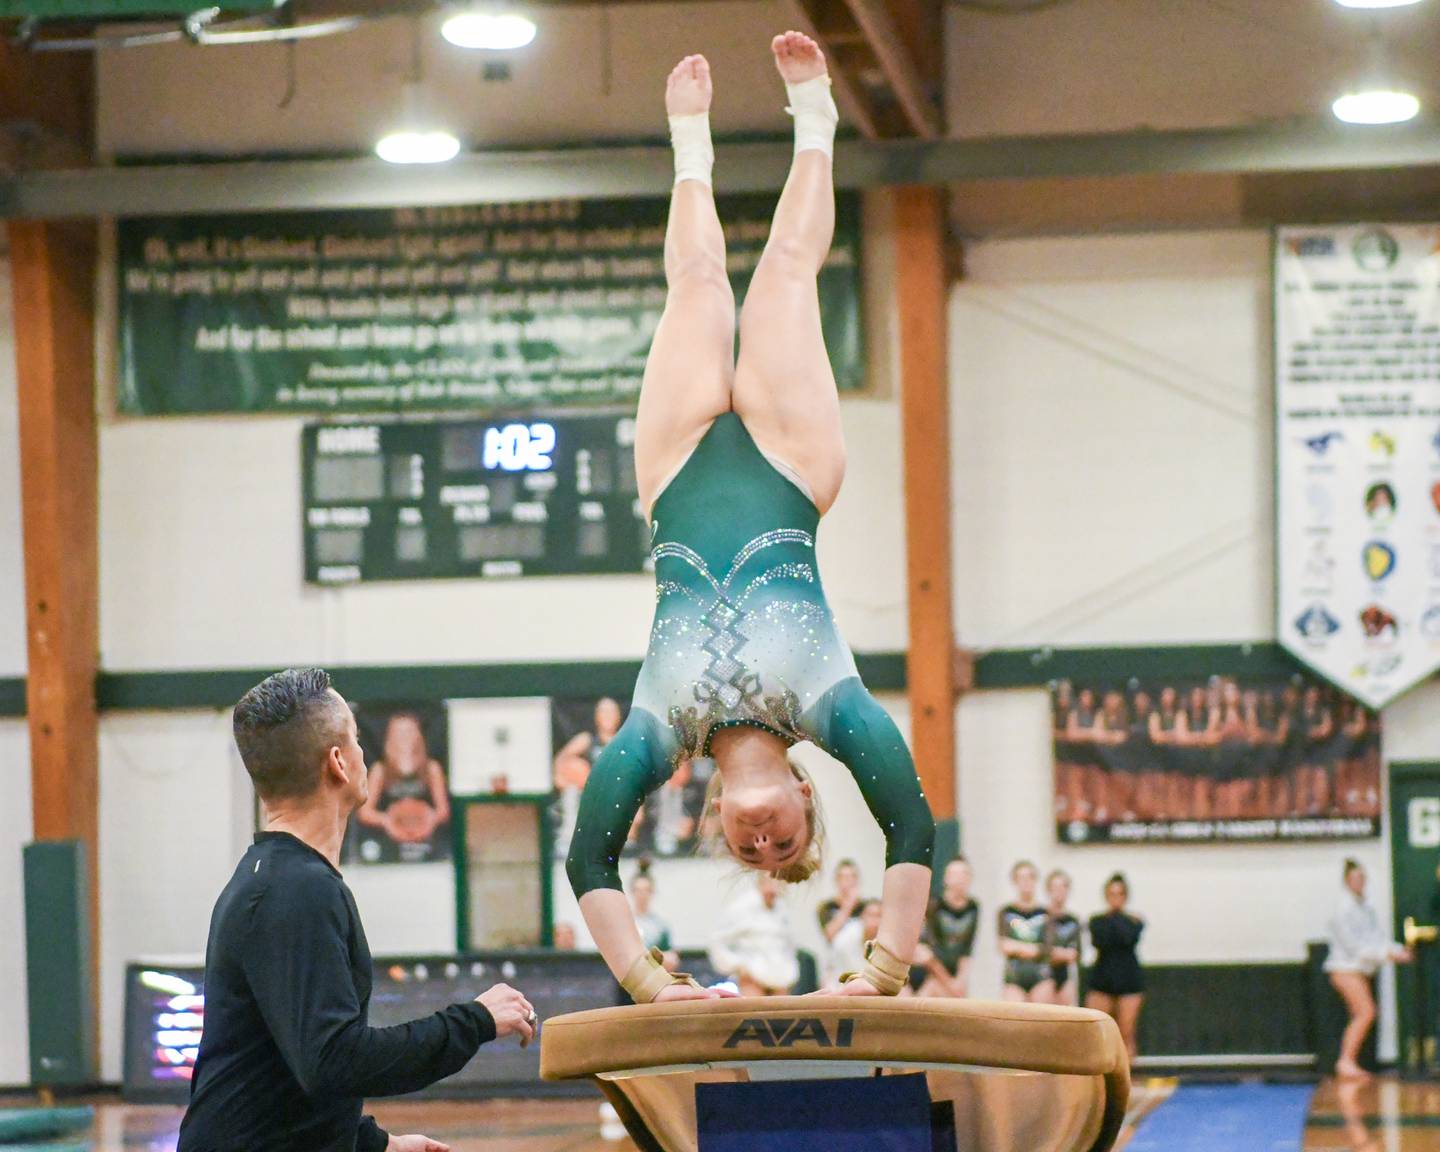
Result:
[473,498]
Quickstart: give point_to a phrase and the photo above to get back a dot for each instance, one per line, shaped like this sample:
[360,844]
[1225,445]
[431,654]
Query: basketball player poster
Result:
[406,819]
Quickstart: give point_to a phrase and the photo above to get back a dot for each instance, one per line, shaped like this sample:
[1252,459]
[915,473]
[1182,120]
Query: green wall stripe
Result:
[882,671]
[1036,667]
[12,696]
[220,688]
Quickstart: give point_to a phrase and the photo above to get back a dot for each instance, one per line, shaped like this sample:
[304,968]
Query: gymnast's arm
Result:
[632,766]
[859,733]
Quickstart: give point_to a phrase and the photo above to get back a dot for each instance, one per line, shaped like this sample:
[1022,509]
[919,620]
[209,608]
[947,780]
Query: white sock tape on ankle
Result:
[815,115]
[694,154]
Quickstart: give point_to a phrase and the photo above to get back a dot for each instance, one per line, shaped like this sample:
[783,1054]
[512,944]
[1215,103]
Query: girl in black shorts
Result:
[1200,728]
[1062,937]
[1084,729]
[1266,722]
[1315,773]
[1128,799]
[1368,772]
[1022,941]
[1232,754]
[1112,729]
[1069,780]
[949,937]
[1117,985]
[1158,783]
[1292,753]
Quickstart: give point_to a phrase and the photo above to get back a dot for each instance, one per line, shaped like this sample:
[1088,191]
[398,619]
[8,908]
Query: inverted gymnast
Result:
[737,461]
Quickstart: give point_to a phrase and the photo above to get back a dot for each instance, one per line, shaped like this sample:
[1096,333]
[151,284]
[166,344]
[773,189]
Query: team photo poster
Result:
[1213,759]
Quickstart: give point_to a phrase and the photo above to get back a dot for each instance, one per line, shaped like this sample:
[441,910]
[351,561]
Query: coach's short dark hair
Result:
[283,727]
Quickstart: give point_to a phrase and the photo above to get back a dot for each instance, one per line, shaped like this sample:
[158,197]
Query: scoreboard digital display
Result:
[476,498]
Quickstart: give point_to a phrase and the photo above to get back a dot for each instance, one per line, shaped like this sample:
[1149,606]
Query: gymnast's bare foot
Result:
[797,57]
[688,90]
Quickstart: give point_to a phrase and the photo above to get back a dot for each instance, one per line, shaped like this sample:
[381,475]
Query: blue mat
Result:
[871,1114]
[31,1124]
[1226,1118]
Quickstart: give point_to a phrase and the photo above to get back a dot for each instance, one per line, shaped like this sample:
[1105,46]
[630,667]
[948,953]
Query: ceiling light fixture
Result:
[492,31]
[413,146]
[419,138]
[1376,3]
[1376,93]
[1376,106]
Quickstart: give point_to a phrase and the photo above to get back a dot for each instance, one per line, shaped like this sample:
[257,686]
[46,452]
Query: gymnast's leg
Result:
[784,387]
[690,370]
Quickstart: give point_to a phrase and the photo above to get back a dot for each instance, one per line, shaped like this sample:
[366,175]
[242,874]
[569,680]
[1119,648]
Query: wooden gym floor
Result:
[1382,1116]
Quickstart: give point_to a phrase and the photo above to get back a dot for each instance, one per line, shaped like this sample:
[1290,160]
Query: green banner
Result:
[487,307]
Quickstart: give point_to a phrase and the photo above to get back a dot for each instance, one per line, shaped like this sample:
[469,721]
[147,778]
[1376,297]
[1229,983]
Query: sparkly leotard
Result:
[742,635]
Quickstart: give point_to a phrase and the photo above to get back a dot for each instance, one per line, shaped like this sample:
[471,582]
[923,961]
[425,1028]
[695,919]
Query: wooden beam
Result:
[46,108]
[921,25]
[922,291]
[829,22]
[53,273]
[901,72]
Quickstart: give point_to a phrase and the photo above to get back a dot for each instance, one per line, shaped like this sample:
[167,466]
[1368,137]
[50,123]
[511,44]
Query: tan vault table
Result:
[1022,1077]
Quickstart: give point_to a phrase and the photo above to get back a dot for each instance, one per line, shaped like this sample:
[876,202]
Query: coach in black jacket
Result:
[287,1055]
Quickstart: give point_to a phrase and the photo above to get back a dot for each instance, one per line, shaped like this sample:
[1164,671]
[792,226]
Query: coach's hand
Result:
[513,1014]
[415,1144]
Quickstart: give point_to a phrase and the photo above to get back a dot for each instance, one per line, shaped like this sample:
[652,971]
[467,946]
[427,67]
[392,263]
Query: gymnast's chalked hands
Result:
[513,1014]
[857,987]
[415,1144]
[690,992]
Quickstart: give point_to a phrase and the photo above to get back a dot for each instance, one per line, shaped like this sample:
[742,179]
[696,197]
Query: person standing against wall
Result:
[1117,984]
[1359,946]
[838,918]
[1022,941]
[949,936]
[1062,937]
[754,945]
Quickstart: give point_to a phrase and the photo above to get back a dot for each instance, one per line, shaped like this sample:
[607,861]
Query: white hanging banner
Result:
[1357,417]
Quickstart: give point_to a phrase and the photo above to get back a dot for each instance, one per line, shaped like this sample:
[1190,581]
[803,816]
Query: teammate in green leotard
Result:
[737,462]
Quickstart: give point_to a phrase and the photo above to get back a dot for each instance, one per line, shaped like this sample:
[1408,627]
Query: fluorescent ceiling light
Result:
[495,31]
[1376,107]
[1376,3]
[409,146]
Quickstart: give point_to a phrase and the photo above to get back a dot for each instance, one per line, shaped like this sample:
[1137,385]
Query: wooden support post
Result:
[922,284]
[53,274]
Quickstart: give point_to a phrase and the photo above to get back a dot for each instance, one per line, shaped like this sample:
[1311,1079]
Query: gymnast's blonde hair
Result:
[712,837]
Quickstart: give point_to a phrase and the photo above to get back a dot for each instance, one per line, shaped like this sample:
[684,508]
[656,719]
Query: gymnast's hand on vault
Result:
[415,1144]
[689,992]
[857,987]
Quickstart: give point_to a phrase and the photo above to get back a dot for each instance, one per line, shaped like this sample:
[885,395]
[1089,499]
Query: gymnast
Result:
[736,462]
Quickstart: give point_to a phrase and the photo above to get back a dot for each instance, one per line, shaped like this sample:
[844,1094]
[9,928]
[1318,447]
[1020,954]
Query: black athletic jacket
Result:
[287,1056]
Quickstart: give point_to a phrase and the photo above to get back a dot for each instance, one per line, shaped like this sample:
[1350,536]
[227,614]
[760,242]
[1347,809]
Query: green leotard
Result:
[742,635]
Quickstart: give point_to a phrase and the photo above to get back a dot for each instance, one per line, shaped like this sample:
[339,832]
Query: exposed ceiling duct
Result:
[204,27]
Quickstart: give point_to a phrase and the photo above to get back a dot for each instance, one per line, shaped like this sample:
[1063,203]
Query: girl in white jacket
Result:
[1359,945]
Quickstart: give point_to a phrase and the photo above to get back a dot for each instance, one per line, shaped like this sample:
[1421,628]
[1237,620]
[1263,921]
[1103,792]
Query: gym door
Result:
[1415,854]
